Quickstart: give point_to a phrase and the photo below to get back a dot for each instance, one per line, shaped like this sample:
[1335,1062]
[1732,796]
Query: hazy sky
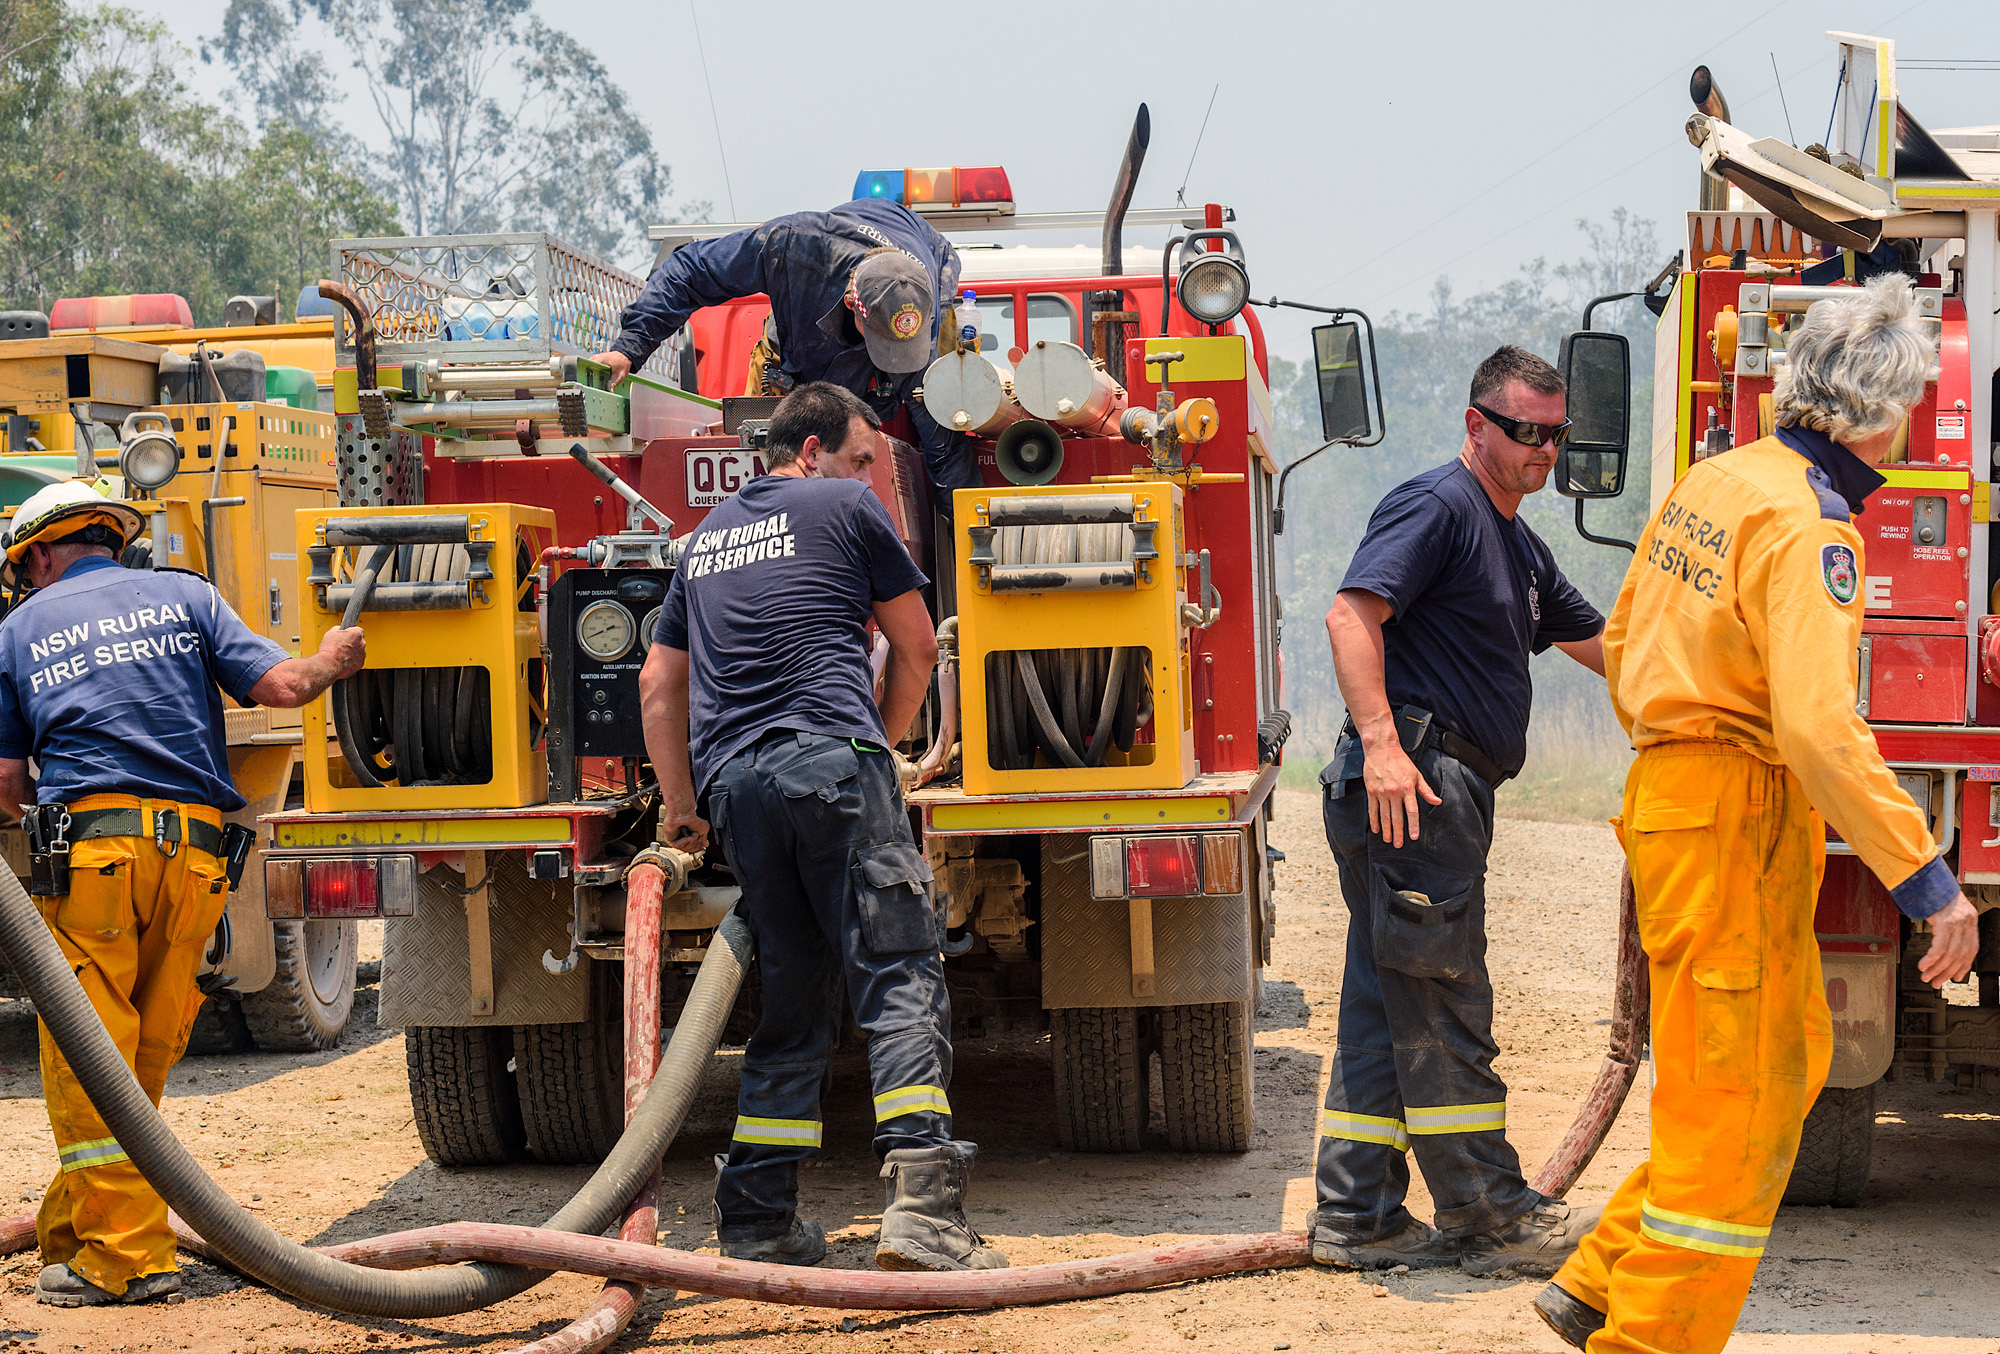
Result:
[1367,149]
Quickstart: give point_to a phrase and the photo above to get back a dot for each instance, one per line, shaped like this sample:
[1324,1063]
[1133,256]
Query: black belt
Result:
[1435,735]
[168,828]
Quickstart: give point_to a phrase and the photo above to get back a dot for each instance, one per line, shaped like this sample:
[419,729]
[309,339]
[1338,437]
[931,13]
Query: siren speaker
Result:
[1029,453]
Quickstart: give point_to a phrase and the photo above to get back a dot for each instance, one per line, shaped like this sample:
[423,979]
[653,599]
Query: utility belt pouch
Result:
[236,843]
[1413,728]
[48,850]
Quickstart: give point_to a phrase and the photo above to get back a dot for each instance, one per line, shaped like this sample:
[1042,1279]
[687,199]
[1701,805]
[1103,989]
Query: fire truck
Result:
[1104,727]
[217,435]
[1779,229]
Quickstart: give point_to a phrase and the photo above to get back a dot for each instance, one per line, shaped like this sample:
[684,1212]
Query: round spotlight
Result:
[1213,287]
[149,459]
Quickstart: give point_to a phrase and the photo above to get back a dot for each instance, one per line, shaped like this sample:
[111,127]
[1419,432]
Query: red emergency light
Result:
[967,189]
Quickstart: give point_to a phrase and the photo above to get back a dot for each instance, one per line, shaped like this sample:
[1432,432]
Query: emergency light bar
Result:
[981,189]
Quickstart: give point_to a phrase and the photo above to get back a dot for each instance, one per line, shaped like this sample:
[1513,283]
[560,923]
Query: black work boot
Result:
[923,1221]
[61,1286]
[802,1243]
[1418,1245]
[1540,1240]
[1568,1315]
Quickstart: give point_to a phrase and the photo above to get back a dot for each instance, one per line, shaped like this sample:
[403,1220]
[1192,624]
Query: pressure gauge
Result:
[650,628]
[605,631]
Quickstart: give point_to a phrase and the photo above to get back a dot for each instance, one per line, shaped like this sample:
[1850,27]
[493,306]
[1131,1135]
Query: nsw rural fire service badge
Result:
[1836,570]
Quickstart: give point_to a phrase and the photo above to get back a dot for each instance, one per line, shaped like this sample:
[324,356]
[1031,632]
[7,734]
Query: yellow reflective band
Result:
[910,1100]
[97,1152]
[1437,1119]
[1694,1233]
[1364,1128]
[777,1132]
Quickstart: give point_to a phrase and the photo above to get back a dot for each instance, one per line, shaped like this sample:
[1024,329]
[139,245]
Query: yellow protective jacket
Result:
[1740,620]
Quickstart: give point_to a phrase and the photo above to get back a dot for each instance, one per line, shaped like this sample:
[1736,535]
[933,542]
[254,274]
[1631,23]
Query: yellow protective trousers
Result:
[1726,857]
[133,926]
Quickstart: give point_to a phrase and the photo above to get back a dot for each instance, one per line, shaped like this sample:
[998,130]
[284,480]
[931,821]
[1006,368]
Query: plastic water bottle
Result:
[968,321]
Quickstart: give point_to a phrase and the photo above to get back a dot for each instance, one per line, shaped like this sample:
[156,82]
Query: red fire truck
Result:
[1779,229]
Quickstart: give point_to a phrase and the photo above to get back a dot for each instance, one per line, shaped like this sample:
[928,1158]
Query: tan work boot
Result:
[61,1286]
[803,1243]
[1418,1245]
[1539,1240]
[923,1222]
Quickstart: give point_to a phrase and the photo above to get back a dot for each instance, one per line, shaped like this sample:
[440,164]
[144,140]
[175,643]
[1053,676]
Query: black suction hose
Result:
[291,1268]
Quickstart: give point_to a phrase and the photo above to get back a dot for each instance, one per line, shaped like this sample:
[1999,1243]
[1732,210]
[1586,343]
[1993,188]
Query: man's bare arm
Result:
[1354,628]
[1589,652]
[663,714]
[906,623]
[298,681]
[15,788]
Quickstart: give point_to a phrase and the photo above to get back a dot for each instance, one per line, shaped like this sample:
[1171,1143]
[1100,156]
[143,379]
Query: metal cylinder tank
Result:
[966,394]
[1059,384]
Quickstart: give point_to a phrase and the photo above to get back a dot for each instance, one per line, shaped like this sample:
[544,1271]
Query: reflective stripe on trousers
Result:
[1726,858]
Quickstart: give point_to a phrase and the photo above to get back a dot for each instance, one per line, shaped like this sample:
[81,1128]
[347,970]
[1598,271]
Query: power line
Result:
[1790,135]
[727,187]
[1579,134]
[1180,193]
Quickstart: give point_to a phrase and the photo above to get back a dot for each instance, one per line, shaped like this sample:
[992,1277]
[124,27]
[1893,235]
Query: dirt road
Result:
[321,1147]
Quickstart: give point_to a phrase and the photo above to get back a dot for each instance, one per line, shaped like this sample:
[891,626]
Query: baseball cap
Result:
[895,298]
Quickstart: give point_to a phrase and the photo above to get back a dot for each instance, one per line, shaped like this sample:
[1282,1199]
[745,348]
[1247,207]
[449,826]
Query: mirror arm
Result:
[1166,287]
[1599,540]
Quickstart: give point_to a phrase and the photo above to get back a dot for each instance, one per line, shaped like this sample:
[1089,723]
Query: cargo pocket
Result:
[819,771]
[1725,1012]
[892,893]
[1675,858]
[99,901]
[203,896]
[1424,938]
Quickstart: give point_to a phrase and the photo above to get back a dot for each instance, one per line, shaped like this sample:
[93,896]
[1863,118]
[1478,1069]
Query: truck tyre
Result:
[219,1028]
[572,1077]
[462,1094]
[1839,1137]
[306,1006]
[1207,1074]
[1101,1065]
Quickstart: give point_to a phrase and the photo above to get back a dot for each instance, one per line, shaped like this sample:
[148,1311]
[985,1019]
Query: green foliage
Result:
[1575,747]
[114,177]
[488,119]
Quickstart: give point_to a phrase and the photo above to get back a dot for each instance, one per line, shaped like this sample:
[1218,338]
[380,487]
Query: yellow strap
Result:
[80,1156]
[1691,1231]
[1373,1128]
[1433,1120]
[777,1132]
[910,1100]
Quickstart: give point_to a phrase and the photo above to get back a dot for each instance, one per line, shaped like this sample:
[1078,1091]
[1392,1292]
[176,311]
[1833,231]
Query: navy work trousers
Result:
[836,893]
[1413,1067]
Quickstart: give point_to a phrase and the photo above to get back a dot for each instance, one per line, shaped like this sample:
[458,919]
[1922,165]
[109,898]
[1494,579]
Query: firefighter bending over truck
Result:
[108,681]
[855,292]
[758,699]
[1449,595]
[1731,658]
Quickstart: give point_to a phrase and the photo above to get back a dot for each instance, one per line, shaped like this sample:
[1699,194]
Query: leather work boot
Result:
[1539,1240]
[1568,1315]
[923,1222]
[803,1243]
[1418,1245]
[61,1286]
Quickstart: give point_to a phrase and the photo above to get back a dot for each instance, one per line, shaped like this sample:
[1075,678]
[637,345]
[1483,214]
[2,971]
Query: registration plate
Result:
[714,475]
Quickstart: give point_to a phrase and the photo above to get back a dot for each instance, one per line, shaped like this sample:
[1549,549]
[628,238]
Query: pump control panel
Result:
[601,624]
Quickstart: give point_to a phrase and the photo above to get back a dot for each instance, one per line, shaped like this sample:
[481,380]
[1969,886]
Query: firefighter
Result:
[855,292]
[1448,597]
[759,677]
[1731,656]
[108,681]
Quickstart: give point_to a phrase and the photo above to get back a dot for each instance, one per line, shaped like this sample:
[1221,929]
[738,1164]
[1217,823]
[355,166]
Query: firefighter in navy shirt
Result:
[855,297]
[758,696]
[108,680]
[1448,596]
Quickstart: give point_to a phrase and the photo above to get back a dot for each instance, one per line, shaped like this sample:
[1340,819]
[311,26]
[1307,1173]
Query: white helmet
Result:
[63,509]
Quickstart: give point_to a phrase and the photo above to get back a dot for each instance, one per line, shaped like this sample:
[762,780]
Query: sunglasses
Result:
[1527,434]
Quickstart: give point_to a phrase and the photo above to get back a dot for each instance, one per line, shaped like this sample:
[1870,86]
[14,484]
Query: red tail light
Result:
[1162,867]
[342,888]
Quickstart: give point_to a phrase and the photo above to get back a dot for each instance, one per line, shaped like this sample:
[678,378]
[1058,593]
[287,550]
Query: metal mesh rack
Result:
[511,297]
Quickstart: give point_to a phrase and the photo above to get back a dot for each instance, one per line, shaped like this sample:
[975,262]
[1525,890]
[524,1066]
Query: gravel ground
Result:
[322,1149]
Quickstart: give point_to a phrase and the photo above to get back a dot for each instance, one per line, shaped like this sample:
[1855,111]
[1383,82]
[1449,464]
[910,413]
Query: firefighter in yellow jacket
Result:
[1731,659]
[108,682]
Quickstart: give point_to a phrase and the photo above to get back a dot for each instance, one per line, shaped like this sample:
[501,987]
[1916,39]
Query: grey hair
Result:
[1858,362]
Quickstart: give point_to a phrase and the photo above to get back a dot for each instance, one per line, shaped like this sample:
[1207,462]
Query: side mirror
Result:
[1597,369]
[1343,387]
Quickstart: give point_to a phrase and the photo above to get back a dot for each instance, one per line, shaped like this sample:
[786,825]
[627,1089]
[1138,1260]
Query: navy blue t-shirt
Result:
[1474,595]
[771,602]
[108,680]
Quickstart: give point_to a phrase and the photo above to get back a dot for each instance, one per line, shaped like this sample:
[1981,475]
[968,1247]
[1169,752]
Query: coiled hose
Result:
[1101,697]
[316,1276]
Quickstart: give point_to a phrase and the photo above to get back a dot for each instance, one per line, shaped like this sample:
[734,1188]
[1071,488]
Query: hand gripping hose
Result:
[318,1277]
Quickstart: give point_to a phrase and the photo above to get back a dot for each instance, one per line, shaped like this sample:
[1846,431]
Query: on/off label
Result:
[1951,427]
